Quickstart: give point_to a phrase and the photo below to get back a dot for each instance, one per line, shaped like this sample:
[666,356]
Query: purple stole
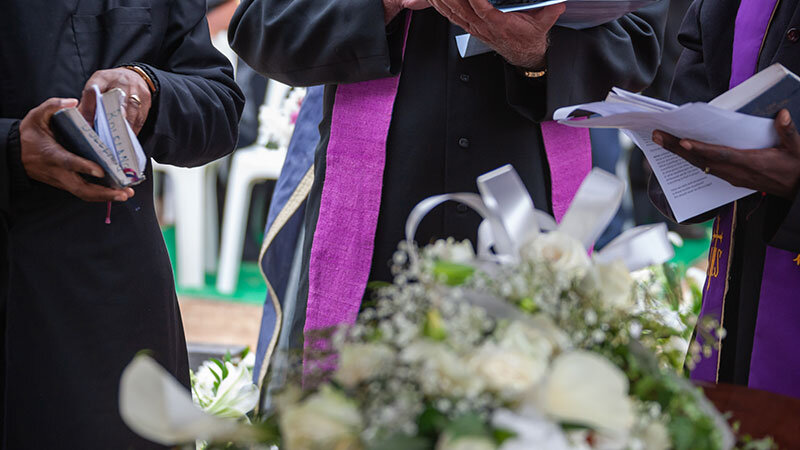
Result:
[774,363]
[341,252]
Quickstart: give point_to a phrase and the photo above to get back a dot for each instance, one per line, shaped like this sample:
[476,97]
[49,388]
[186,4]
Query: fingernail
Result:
[658,139]
[686,144]
[120,198]
[786,118]
[97,173]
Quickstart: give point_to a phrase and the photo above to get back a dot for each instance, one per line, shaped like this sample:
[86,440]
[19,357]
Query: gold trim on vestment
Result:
[295,201]
[735,207]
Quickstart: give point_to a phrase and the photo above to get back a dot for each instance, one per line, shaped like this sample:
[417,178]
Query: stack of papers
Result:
[689,190]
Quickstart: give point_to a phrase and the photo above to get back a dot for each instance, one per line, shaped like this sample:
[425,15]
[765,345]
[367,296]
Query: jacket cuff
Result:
[17,175]
[528,96]
[782,224]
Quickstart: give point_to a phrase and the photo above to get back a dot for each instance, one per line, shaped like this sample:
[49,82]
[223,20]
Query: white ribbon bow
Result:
[511,221]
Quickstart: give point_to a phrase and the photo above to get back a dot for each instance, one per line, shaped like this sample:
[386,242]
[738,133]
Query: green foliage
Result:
[452,274]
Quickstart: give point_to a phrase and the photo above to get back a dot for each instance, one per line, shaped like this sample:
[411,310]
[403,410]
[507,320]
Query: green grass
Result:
[250,288]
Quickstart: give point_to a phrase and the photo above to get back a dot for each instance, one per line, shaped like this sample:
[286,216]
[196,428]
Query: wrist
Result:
[391,8]
[146,75]
[18,175]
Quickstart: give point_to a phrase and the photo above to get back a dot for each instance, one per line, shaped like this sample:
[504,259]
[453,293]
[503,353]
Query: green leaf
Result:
[431,422]
[222,367]
[452,274]
[468,425]
[402,442]
[434,326]
[501,435]
[377,285]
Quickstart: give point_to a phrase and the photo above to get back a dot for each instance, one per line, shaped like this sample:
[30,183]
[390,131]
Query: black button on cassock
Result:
[463,143]
[793,35]
[464,77]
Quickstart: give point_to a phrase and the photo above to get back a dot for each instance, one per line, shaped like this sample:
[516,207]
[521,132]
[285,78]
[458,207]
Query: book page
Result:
[688,189]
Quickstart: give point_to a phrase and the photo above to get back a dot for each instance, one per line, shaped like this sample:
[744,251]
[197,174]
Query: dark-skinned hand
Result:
[775,171]
[46,161]
[127,80]
[519,37]
[391,8]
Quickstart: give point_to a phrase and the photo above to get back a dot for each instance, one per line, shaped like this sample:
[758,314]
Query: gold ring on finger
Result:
[707,170]
[137,102]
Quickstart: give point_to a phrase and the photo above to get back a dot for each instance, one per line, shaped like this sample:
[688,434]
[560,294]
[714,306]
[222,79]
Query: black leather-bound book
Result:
[75,134]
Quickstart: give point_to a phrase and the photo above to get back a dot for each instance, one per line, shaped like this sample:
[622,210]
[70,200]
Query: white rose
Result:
[459,252]
[585,388]
[327,419]
[531,430]
[508,372]
[615,285]
[521,337]
[544,326]
[446,442]
[656,437]
[442,371]
[564,253]
[360,362]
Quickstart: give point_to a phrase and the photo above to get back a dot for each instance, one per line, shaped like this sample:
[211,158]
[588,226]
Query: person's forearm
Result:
[344,41]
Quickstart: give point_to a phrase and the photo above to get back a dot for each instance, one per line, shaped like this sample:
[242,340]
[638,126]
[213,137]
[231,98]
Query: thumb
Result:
[787,131]
[550,14]
[53,105]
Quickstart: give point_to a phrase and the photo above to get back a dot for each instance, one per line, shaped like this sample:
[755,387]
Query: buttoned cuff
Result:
[18,177]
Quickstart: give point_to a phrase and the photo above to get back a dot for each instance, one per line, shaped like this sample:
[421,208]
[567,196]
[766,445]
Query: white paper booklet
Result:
[689,190]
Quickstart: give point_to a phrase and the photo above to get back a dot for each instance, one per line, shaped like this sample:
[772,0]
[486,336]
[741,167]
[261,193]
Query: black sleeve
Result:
[12,173]
[583,65]
[782,226]
[194,119]
[313,42]
[690,83]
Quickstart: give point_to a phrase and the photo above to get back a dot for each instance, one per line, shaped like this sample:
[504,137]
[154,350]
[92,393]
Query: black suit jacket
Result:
[85,297]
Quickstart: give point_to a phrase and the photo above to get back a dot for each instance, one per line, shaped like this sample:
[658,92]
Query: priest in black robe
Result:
[754,259]
[85,296]
[453,118]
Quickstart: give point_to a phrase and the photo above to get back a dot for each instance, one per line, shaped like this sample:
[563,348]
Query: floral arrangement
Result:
[276,121]
[554,349]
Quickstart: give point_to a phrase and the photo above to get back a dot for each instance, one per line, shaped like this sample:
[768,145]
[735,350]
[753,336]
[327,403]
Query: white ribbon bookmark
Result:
[511,220]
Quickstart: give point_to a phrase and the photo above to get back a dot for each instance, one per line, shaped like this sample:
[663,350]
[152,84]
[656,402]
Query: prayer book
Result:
[111,144]
[741,118]
[579,14]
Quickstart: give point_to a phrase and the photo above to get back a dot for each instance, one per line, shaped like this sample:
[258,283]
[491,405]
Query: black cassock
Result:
[703,72]
[454,119]
[84,297]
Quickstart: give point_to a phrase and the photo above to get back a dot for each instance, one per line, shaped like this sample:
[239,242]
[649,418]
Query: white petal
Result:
[155,406]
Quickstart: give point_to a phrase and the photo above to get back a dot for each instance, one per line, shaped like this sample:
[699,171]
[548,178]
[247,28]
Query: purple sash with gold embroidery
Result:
[774,364]
[343,244]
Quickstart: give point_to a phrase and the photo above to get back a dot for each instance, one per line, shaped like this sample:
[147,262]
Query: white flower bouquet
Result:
[550,349]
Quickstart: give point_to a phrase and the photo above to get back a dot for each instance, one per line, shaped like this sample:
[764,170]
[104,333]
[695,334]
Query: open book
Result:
[740,118]
[579,14]
[112,144]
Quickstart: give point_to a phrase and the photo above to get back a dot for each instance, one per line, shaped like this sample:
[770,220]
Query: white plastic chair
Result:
[193,200]
[249,165]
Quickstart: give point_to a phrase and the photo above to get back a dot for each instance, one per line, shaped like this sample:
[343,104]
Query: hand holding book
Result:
[130,83]
[774,170]
[45,160]
[520,38]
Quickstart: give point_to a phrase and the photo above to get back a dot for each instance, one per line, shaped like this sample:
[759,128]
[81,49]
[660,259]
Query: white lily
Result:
[157,407]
